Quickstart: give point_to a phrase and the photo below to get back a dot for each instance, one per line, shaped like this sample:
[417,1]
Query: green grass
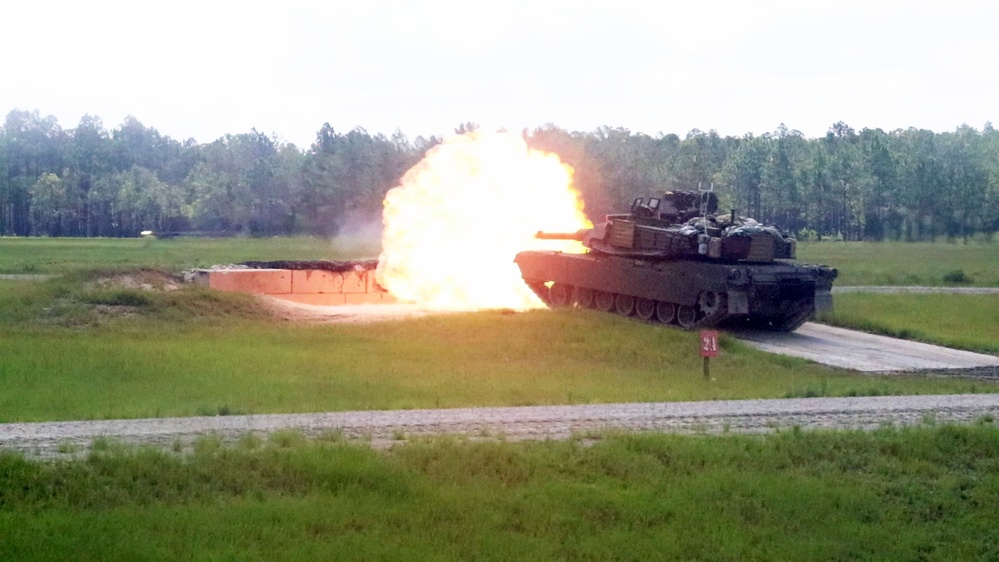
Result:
[898,263]
[73,348]
[962,321]
[76,352]
[859,263]
[924,493]
[59,255]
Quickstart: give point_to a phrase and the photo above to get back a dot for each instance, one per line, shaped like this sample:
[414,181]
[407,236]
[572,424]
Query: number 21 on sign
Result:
[709,349]
[709,343]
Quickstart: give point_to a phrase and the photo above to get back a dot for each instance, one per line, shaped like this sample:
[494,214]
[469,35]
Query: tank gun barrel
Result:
[578,236]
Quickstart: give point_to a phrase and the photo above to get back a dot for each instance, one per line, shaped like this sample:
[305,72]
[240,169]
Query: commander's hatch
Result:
[645,207]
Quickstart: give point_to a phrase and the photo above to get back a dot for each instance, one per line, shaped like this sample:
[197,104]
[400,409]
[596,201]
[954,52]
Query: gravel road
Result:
[63,439]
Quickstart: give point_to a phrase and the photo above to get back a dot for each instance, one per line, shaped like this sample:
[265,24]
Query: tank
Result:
[673,259]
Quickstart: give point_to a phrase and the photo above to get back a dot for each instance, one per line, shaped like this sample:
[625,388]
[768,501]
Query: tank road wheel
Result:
[604,301]
[645,309]
[539,288]
[666,312]
[686,316]
[559,294]
[624,305]
[584,297]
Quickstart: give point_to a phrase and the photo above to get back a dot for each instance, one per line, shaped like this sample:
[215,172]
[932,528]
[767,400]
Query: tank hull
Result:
[776,295]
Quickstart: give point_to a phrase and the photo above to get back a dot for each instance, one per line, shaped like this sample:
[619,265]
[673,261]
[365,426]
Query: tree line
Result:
[907,184]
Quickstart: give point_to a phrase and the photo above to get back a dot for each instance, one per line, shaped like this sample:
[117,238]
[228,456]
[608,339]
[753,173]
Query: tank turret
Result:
[683,224]
[674,259]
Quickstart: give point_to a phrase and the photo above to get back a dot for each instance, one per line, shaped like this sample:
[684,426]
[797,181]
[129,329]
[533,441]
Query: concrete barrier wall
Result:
[322,288]
[259,281]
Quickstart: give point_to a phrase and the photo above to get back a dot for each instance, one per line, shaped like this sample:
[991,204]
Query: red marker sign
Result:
[709,343]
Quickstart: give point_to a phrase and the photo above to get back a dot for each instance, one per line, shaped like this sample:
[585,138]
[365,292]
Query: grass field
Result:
[59,255]
[72,349]
[925,493]
[898,263]
[888,263]
[198,352]
[961,321]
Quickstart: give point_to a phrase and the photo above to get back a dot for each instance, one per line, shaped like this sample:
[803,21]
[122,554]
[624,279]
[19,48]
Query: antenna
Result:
[704,203]
[702,238]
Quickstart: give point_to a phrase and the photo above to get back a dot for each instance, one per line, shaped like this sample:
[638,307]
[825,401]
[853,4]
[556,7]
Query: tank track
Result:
[690,294]
[704,315]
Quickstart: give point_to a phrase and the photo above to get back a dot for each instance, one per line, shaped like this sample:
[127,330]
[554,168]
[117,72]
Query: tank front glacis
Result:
[674,260]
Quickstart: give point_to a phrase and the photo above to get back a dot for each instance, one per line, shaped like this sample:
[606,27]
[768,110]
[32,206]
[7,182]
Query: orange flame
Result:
[454,225]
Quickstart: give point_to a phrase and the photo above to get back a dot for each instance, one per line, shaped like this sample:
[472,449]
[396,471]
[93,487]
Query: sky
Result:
[202,69]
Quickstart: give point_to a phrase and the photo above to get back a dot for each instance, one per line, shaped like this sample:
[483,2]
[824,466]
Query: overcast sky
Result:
[201,69]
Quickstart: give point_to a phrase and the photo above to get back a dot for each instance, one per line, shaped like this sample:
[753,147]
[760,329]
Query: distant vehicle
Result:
[673,259]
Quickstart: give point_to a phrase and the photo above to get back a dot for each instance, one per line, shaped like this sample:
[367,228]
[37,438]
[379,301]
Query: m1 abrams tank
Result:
[674,260]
